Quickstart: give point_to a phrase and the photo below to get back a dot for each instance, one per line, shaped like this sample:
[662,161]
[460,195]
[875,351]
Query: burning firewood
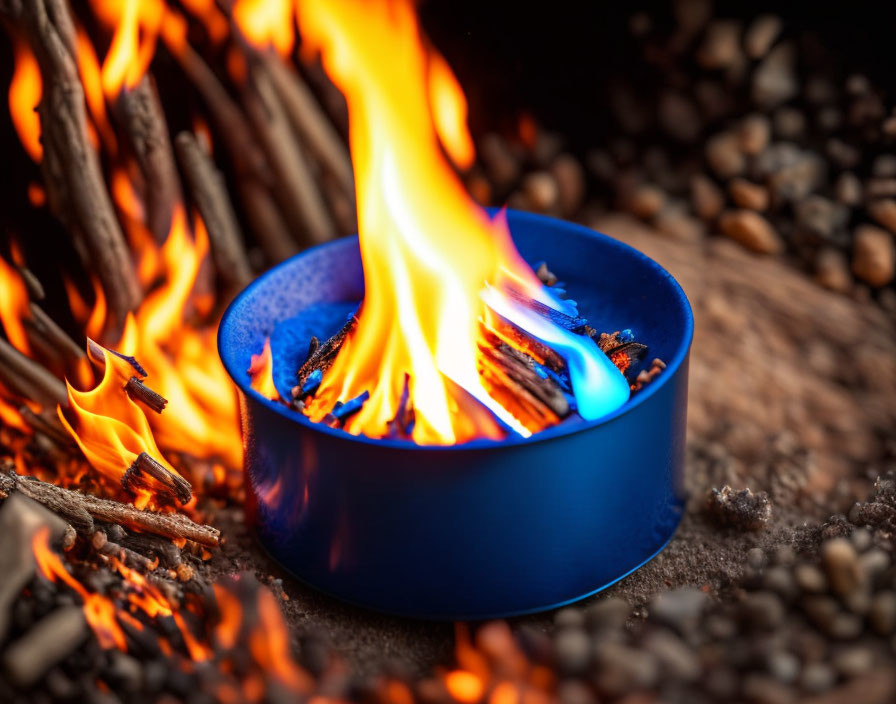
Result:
[82,509]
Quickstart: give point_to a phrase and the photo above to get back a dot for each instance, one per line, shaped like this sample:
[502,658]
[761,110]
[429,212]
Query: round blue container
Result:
[485,529]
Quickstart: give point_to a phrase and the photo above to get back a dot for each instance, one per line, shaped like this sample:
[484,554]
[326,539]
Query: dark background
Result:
[555,58]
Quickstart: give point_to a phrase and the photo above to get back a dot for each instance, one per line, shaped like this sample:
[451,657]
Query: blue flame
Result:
[597,384]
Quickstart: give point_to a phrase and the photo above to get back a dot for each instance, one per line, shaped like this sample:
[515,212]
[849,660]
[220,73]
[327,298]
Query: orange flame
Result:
[98,610]
[110,428]
[181,362]
[14,307]
[261,371]
[266,23]
[25,92]
[428,251]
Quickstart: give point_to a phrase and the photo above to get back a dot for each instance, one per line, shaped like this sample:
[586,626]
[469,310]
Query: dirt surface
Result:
[792,392]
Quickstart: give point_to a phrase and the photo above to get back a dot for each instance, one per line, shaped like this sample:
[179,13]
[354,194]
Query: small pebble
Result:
[842,565]
[707,198]
[645,201]
[854,661]
[746,194]
[724,156]
[608,614]
[818,677]
[874,255]
[882,614]
[762,610]
[848,189]
[572,649]
[569,618]
[754,134]
[541,190]
[883,211]
[751,230]
[756,558]
[761,34]
[832,270]
[810,579]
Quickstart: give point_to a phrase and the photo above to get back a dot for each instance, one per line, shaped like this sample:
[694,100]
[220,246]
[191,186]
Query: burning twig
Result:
[81,509]
[138,391]
[140,114]
[146,465]
[95,352]
[72,173]
[29,379]
[402,424]
[322,356]
[210,195]
[520,367]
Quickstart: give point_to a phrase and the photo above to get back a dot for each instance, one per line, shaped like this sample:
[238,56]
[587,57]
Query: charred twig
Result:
[402,423]
[140,113]
[505,362]
[299,198]
[28,379]
[252,174]
[48,424]
[323,355]
[576,324]
[42,325]
[95,353]
[81,509]
[518,339]
[152,547]
[309,120]
[210,195]
[33,285]
[71,168]
[150,467]
[100,542]
[138,391]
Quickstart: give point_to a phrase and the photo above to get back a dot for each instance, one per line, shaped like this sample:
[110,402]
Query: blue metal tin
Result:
[485,529]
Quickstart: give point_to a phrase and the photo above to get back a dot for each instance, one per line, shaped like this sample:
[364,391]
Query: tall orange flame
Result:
[266,23]
[435,266]
[25,92]
[14,308]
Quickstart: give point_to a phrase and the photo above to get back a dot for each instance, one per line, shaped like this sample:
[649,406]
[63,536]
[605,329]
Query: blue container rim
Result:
[240,378]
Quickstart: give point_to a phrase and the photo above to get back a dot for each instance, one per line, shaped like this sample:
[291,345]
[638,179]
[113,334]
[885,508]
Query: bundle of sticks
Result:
[285,159]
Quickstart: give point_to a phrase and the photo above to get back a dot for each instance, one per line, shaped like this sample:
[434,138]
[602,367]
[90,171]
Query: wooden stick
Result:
[142,120]
[211,198]
[147,465]
[138,391]
[84,508]
[28,379]
[299,198]
[76,191]
[32,284]
[43,325]
[323,355]
[48,424]
[309,120]
[253,176]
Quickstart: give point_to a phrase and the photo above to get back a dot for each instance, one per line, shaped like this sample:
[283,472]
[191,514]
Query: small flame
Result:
[14,307]
[25,92]
[261,371]
[435,266]
[110,428]
[98,610]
